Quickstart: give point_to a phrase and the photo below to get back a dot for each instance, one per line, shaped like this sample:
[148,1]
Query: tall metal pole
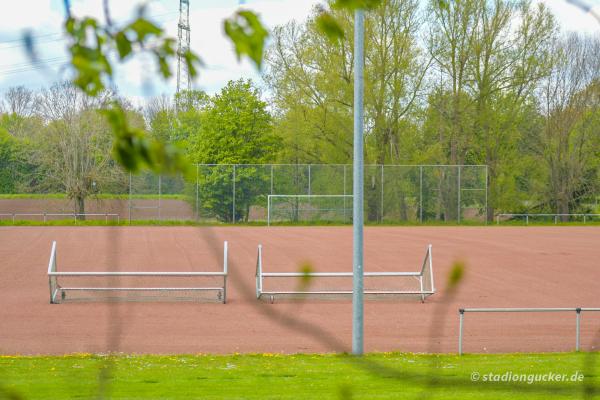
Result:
[358,213]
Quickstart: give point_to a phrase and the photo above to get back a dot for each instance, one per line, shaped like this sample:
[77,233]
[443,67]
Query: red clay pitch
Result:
[505,267]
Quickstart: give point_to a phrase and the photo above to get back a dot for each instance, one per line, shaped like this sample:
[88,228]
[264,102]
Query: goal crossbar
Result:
[426,272]
[57,291]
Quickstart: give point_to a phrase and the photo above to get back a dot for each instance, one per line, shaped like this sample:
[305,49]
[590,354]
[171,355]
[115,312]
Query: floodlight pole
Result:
[357,188]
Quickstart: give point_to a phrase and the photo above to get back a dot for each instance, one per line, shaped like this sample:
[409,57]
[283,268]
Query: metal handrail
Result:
[577,310]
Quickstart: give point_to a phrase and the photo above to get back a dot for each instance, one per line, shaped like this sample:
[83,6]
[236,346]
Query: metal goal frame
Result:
[57,292]
[344,197]
[423,293]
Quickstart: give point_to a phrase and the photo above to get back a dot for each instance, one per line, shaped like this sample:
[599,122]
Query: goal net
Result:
[86,286]
[309,208]
[377,284]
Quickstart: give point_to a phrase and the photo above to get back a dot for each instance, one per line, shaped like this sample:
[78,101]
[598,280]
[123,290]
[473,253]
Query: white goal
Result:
[76,286]
[418,284]
[309,208]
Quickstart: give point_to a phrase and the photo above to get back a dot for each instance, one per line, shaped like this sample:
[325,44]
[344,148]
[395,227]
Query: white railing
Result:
[527,216]
[58,292]
[15,215]
[577,310]
[425,272]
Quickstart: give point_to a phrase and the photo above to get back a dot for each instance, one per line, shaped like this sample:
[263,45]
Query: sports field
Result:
[505,267]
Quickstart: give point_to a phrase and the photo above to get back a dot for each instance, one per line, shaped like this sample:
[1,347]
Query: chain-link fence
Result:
[237,193]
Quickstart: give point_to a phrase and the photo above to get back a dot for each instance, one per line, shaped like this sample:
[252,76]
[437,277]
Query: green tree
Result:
[569,143]
[74,148]
[233,128]
[490,55]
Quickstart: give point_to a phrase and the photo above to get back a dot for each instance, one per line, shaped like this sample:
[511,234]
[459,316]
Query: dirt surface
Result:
[506,267]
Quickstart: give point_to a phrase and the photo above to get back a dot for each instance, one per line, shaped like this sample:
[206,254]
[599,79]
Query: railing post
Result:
[526,219]
[577,328]
[461,313]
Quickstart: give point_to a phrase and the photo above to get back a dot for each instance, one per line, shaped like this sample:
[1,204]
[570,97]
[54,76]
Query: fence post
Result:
[345,193]
[577,328]
[309,193]
[159,194]
[271,179]
[461,313]
[526,219]
[233,206]
[129,201]
[198,192]
[44,217]
[421,194]
[381,217]
[486,195]
[555,219]
[458,194]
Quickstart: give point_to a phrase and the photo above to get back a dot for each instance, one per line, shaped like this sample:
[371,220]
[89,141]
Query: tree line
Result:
[489,82]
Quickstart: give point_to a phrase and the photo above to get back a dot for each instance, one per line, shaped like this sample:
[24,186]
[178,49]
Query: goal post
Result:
[419,284]
[151,285]
[309,207]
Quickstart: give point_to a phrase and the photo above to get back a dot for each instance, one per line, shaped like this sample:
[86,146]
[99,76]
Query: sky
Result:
[137,78]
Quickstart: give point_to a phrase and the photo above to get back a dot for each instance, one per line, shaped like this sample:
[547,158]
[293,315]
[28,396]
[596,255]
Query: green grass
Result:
[272,376]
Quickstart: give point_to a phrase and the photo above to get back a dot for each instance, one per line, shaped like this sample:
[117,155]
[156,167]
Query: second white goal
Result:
[309,208]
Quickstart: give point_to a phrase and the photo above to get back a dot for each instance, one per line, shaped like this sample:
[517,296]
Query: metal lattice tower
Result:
[184,81]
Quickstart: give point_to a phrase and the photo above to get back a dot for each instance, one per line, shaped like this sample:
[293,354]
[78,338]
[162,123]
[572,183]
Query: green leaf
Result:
[142,27]
[456,274]
[123,45]
[327,24]
[354,4]
[134,150]
[444,4]
[248,35]
[191,61]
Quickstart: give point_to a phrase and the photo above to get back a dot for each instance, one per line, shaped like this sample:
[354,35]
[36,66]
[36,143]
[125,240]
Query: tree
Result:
[490,56]
[234,128]
[13,163]
[570,137]
[74,148]
[310,76]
